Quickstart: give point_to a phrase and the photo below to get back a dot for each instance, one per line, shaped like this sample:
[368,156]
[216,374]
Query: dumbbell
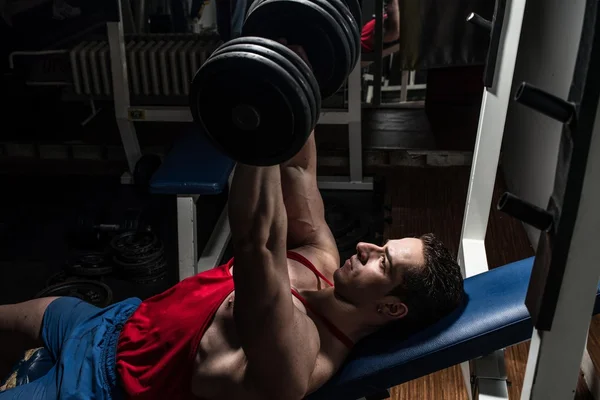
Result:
[256,99]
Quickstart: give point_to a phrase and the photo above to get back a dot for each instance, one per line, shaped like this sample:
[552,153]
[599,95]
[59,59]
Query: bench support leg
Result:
[489,377]
[187,240]
[216,245]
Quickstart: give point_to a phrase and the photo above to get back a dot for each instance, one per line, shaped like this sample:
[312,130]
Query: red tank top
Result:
[157,346]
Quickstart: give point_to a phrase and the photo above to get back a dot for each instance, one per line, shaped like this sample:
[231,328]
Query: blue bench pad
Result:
[193,166]
[493,317]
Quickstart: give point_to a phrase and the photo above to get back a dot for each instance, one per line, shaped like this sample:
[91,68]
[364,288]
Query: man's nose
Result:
[363,250]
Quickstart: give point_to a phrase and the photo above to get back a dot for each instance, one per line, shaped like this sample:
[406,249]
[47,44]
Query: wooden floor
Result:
[433,200]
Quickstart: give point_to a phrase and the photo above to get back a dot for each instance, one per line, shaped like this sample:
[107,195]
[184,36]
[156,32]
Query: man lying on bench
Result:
[282,333]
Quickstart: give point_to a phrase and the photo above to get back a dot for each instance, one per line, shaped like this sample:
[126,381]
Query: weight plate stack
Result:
[93,292]
[140,256]
[89,265]
[249,104]
[311,24]
[64,276]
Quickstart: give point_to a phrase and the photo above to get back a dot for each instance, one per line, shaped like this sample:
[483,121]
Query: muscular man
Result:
[275,322]
[391,28]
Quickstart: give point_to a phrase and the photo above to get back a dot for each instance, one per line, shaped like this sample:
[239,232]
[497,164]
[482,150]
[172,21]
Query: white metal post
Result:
[187,237]
[216,245]
[472,255]
[120,86]
[555,355]
[352,117]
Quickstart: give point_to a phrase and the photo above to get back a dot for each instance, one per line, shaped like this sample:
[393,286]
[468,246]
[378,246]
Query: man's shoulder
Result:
[324,259]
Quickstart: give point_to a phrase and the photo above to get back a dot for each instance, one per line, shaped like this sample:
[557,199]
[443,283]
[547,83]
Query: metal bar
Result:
[378,51]
[488,143]
[555,355]
[472,255]
[187,241]
[183,114]
[118,66]
[404,87]
[343,183]
[216,245]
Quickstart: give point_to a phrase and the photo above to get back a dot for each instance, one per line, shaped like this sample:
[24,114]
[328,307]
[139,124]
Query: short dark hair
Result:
[432,290]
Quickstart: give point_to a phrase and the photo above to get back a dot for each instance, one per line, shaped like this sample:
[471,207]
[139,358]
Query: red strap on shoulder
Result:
[335,331]
[304,261]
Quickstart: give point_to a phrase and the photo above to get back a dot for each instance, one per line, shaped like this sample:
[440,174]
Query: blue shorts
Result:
[82,339]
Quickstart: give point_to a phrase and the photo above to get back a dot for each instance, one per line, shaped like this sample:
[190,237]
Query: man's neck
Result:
[343,315]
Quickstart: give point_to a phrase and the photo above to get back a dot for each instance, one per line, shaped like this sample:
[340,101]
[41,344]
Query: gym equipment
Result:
[270,128]
[139,256]
[89,265]
[93,292]
[89,223]
[526,212]
[545,103]
[194,168]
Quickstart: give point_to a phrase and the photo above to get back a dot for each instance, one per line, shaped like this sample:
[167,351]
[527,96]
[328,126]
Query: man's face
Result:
[366,279]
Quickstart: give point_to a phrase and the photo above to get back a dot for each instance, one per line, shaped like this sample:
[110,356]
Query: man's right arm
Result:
[277,339]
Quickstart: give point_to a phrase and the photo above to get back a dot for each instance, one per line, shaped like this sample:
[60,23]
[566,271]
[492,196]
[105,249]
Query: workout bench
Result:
[195,168]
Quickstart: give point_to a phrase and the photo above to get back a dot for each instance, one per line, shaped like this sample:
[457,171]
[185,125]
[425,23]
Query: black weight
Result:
[93,292]
[355,10]
[90,264]
[334,8]
[302,22]
[133,243]
[62,276]
[279,56]
[230,81]
[353,29]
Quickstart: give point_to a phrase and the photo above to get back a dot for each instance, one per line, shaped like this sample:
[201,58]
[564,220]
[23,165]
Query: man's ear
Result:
[394,308]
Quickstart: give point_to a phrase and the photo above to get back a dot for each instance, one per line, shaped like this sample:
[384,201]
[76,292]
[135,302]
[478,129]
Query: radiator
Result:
[157,65]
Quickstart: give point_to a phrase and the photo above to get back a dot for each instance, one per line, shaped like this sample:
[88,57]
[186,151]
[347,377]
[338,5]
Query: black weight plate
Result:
[254,4]
[352,29]
[60,277]
[313,91]
[301,22]
[230,79]
[90,264]
[151,269]
[133,242]
[93,292]
[356,11]
[287,59]
[333,9]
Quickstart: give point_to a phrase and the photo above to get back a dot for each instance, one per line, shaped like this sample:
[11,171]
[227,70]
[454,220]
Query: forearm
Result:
[256,209]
